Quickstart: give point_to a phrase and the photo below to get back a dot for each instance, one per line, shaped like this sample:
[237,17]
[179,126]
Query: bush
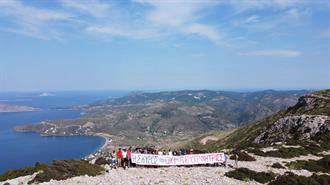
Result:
[243,156]
[101,161]
[322,165]
[293,179]
[277,165]
[64,169]
[246,174]
[23,171]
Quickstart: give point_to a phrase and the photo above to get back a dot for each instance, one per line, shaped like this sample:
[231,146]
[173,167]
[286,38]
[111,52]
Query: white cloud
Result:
[116,31]
[173,13]
[159,18]
[273,52]
[203,30]
[271,23]
[252,19]
[146,19]
[247,5]
[30,14]
[180,16]
[91,7]
[35,22]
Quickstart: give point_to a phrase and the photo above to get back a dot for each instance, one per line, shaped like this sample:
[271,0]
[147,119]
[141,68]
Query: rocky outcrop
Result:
[309,118]
[317,104]
[294,127]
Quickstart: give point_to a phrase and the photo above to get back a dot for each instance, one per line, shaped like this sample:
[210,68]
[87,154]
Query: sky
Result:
[48,45]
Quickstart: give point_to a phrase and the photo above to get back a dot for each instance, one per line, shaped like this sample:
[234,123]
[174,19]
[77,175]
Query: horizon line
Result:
[163,90]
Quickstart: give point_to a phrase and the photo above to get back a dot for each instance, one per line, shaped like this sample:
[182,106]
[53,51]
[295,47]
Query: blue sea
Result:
[19,150]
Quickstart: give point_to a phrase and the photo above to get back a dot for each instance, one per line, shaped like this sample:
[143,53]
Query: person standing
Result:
[170,152]
[124,159]
[119,157]
[129,157]
[235,157]
[113,160]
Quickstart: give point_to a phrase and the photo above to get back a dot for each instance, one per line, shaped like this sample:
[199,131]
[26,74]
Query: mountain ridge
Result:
[305,125]
[144,117]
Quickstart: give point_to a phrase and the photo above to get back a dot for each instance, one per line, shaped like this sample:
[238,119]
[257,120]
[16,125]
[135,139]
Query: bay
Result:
[19,150]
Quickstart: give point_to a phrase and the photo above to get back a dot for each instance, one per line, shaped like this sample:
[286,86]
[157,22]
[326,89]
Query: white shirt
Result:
[124,154]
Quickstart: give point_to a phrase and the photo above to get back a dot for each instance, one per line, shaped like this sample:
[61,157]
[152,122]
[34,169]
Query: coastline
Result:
[106,142]
[100,150]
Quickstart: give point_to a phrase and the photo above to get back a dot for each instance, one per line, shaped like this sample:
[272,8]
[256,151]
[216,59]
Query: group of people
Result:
[121,158]
[165,152]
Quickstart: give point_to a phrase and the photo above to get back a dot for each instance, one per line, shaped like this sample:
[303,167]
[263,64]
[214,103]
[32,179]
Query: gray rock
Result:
[294,127]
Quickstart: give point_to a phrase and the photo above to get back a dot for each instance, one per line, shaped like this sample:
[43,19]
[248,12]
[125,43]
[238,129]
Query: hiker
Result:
[119,157]
[124,159]
[225,162]
[235,157]
[184,152]
[113,160]
[129,157]
[170,152]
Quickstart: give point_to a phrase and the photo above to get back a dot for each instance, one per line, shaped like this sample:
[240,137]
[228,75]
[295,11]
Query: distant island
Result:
[16,108]
[45,94]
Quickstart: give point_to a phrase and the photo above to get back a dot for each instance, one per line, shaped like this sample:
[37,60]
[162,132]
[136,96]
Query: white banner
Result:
[168,160]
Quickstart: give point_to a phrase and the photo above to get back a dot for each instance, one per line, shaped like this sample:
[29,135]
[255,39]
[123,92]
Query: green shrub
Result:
[293,179]
[322,165]
[277,165]
[243,156]
[23,171]
[64,169]
[246,174]
[101,161]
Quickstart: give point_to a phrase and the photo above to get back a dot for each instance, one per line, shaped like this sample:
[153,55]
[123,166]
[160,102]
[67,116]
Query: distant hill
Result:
[144,117]
[306,126]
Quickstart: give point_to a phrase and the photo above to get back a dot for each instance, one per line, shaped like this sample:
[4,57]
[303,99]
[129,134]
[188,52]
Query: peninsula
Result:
[16,108]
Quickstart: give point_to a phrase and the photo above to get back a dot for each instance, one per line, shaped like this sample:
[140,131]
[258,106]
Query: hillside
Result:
[291,145]
[305,125]
[154,117]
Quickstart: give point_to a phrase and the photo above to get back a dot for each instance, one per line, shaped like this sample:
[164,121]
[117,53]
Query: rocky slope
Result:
[186,175]
[149,117]
[305,125]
